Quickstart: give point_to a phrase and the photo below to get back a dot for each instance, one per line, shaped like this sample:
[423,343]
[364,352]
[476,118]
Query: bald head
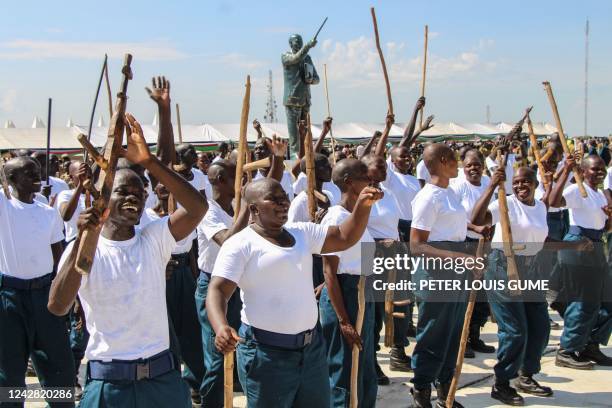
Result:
[74,167]
[260,188]
[221,167]
[435,154]
[526,172]
[591,160]
[127,177]
[348,169]
[17,164]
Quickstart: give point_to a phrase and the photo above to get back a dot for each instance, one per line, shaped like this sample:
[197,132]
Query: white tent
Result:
[9,124]
[37,123]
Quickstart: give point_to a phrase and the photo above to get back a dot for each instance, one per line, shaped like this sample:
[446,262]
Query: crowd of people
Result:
[184,274]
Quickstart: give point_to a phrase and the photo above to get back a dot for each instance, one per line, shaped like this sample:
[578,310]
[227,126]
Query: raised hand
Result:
[257,126]
[370,195]
[427,124]
[498,176]
[160,92]
[83,172]
[89,219]
[277,146]
[420,104]
[137,150]
[390,120]
[327,123]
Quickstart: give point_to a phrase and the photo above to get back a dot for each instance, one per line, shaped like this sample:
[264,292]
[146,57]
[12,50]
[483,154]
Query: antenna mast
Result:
[586,77]
[270,115]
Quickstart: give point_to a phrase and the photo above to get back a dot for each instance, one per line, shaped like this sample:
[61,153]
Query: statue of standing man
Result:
[299,74]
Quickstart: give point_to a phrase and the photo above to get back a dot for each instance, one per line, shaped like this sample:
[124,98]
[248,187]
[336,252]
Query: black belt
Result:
[592,234]
[288,341]
[135,370]
[26,284]
[557,215]
[180,259]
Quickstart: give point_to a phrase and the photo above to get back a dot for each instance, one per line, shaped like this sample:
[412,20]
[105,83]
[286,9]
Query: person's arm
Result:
[219,292]
[165,136]
[185,219]
[295,170]
[426,126]
[368,147]
[480,214]
[330,270]
[65,286]
[555,198]
[380,147]
[348,233]
[257,127]
[278,149]
[241,222]
[324,131]
[409,131]
[291,59]
[67,209]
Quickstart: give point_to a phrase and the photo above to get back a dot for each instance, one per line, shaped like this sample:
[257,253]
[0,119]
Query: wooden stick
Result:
[504,220]
[178,122]
[228,380]
[547,155]
[310,171]
[424,72]
[536,151]
[465,332]
[108,91]
[48,149]
[256,165]
[382,61]
[355,356]
[93,110]
[389,306]
[331,133]
[553,105]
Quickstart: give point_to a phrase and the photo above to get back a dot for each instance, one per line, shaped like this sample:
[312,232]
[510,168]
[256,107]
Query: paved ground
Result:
[572,388]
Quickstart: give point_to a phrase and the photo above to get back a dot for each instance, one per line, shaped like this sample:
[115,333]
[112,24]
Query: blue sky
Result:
[481,53]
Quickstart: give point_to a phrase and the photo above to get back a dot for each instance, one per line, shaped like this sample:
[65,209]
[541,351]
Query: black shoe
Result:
[476,343]
[78,390]
[469,353]
[411,330]
[421,398]
[526,383]
[443,394]
[196,398]
[30,372]
[382,379]
[399,361]
[572,360]
[505,393]
[554,325]
[594,354]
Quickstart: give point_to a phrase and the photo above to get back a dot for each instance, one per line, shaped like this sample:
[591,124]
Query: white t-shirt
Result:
[286,182]
[57,186]
[528,224]
[539,193]
[298,210]
[586,212]
[492,164]
[124,296]
[215,220]
[37,196]
[350,259]
[182,246]
[200,182]
[469,195]
[608,180]
[26,234]
[276,283]
[70,225]
[422,173]
[404,187]
[151,197]
[302,182]
[384,217]
[439,211]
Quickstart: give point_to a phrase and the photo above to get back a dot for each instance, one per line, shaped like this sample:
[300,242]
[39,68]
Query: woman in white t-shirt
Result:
[523,322]
[281,358]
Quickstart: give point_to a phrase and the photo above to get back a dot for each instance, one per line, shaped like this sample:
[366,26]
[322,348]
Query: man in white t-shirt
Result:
[437,216]
[422,174]
[339,299]
[123,297]
[588,315]
[31,235]
[187,159]
[57,185]
[215,228]
[271,262]
[71,203]
[262,151]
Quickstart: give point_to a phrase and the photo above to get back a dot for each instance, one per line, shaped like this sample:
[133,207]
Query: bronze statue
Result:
[299,74]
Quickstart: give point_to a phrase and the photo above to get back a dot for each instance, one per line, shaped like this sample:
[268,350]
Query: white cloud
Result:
[7,103]
[356,63]
[33,49]
[485,43]
[238,60]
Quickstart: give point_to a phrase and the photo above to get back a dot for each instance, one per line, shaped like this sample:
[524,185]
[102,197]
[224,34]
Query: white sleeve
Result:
[334,219]
[63,197]
[422,172]
[607,180]
[572,196]
[296,210]
[287,185]
[494,210]
[315,235]
[300,184]
[57,232]
[211,224]
[424,214]
[231,260]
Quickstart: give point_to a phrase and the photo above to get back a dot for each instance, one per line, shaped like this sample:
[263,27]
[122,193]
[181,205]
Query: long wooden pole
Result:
[228,358]
[48,149]
[465,332]
[331,133]
[355,353]
[553,105]
[310,171]
[424,72]
[93,110]
[178,122]
[108,91]
[536,151]
[382,61]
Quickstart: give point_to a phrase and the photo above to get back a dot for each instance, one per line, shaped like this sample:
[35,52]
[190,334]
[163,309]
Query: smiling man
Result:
[124,297]
[31,235]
